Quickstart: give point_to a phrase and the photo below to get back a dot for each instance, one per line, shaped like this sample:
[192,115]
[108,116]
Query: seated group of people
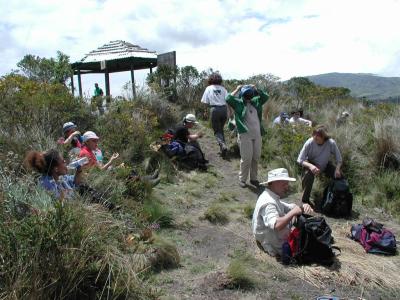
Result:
[272,217]
[184,145]
[54,169]
[296,118]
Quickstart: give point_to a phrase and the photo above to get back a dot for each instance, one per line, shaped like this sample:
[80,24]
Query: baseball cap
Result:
[67,126]
[190,118]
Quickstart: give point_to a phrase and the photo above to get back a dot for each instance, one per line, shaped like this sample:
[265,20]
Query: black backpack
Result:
[311,241]
[337,200]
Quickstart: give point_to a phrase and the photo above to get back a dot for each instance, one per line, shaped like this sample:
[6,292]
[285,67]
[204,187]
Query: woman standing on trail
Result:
[214,96]
[248,116]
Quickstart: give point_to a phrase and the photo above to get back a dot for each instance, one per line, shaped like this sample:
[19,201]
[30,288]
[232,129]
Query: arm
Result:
[263,95]
[71,137]
[108,164]
[303,159]
[231,98]
[78,176]
[282,222]
[339,161]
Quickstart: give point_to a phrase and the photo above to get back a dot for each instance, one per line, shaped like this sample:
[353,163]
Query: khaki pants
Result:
[250,153]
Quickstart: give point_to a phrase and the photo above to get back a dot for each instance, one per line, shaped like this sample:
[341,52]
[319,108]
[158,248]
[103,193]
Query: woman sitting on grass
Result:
[54,173]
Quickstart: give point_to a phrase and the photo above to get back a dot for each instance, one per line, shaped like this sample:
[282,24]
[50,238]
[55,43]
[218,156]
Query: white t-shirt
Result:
[300,121]
[268,208]
[214,95]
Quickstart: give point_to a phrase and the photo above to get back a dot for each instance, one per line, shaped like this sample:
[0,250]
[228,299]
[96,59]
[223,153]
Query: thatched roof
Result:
[118,56]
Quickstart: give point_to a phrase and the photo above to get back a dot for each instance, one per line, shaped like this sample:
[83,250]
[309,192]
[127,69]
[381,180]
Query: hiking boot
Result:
[154,182]
[155,174]
[242,184]
[224,151]
[256,183]
[202,167]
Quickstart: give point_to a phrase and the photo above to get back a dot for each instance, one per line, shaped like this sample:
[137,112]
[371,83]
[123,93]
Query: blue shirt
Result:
[65,185]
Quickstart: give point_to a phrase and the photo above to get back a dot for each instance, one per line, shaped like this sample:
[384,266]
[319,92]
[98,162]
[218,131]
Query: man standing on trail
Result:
[248,111]
[214,96]
[98,98]
[272,218]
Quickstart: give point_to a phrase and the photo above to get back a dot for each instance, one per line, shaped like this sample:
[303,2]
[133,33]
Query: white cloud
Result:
[239,38]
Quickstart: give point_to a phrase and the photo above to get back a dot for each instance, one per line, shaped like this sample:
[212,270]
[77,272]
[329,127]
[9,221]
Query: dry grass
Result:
[354,267]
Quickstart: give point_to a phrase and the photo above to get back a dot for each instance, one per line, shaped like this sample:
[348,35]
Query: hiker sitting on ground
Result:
[247,102]
[214,96]
[54,173]
[72,138]
[90,150]
[272,218]
[189,141]
[342,119]
[314,158]
[296,119]
[281,120]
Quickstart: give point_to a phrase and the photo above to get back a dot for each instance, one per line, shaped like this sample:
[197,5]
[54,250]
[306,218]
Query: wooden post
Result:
[72,85]
[133,81]
[107,80]
[80,84]
[151,70]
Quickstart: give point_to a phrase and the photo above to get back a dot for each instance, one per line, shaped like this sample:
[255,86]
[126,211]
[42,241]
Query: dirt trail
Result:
[207,249]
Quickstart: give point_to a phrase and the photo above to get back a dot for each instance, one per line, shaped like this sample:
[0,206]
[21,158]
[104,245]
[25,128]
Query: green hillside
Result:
[361,85]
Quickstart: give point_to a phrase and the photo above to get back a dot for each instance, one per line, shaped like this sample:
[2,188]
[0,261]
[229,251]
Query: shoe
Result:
[202,167]
[224,151]
[155,174]
[256,183]
[242,184]
[154,182]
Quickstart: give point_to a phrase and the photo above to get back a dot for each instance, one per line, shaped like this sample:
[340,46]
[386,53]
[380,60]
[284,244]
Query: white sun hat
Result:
[89,135]
[190,118]
[278,174]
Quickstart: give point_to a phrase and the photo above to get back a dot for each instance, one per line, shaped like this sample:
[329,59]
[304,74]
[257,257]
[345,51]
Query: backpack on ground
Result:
[374,237]
[311,241]
[337,200]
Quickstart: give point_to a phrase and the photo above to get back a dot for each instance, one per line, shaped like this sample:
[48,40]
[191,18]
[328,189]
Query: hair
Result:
[321,131]
[42,162]
[215,78]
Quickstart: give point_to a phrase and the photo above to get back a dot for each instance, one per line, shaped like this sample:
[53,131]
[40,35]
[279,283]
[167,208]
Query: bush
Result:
[216,215]
[239,272]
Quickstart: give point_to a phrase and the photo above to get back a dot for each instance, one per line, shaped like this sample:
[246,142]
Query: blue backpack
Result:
[175,149]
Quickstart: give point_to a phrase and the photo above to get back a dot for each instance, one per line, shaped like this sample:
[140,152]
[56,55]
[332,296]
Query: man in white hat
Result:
[272,218]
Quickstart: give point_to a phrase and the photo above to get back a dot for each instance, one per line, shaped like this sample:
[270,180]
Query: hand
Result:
[200,134]
[307,208]
[338,174]
[315,170]
[239,87]
[297,210]
[76,133]
[114,156]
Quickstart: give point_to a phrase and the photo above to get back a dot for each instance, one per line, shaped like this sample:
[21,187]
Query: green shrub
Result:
[216,214]
[240,272]
[155,212]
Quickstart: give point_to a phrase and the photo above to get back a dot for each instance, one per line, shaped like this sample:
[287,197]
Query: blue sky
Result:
[238,38]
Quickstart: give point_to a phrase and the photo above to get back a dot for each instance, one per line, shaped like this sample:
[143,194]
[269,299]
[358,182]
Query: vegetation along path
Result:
[219,259]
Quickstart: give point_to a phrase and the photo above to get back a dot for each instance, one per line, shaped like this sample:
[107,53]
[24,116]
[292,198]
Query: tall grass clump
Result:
[69,251]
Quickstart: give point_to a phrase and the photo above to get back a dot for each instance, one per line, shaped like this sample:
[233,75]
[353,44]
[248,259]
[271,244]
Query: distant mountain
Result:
[361,85]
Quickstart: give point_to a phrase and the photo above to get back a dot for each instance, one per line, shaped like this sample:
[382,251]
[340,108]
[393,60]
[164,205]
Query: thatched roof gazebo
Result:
[115,56]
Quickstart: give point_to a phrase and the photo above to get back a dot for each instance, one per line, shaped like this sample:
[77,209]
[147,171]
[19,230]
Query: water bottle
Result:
[78,163]
[286,253]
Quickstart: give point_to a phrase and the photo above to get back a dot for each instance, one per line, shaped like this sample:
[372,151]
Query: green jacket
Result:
[240,109]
